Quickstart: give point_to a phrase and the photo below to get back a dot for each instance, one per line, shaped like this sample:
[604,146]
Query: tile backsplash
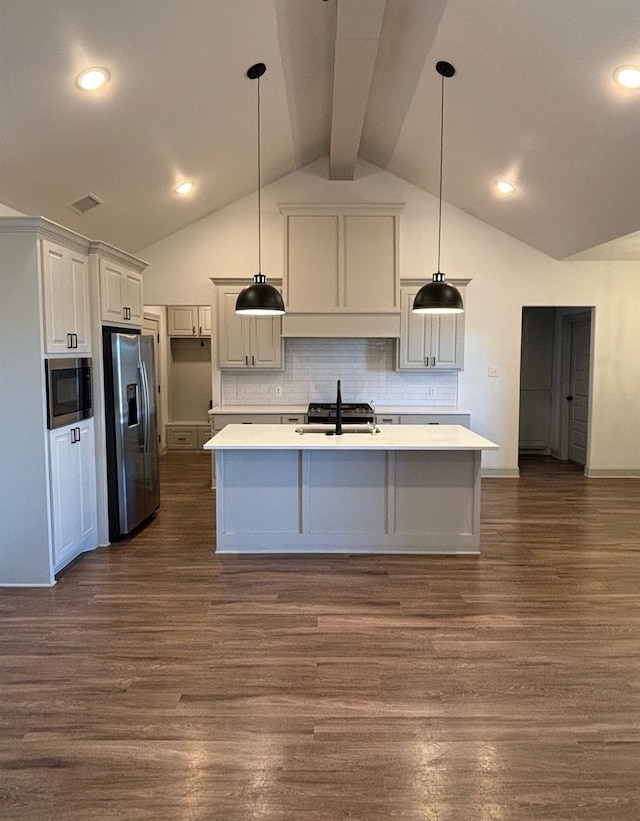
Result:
[365,366]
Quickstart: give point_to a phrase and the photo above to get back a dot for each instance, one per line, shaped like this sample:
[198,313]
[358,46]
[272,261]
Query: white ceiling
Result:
[533,100]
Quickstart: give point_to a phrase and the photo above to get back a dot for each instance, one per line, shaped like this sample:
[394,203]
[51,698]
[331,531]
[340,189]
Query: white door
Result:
[578,396]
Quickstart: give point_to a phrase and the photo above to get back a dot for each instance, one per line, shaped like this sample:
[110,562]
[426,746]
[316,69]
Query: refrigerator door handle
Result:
[146,405]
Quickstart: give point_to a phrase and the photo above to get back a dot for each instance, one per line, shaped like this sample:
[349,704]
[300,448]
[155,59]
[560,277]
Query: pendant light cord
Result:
[259,180]
[441,159]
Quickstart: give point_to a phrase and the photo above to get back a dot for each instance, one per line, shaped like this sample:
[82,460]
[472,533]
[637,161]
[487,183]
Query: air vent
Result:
[85,203]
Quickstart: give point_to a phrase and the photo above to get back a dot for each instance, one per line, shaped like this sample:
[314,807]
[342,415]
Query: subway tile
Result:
[364,366]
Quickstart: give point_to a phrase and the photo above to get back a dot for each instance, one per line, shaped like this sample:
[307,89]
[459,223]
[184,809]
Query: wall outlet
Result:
[278,391]
[494,371]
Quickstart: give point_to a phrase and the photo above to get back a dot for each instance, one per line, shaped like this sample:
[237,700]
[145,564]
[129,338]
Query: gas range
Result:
[353,413]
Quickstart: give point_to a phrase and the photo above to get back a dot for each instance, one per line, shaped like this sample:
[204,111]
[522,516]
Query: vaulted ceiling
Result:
[533,100]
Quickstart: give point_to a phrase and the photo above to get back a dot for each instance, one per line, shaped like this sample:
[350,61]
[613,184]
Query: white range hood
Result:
[341,275]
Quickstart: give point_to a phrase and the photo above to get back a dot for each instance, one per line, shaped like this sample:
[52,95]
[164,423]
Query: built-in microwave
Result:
[68,391]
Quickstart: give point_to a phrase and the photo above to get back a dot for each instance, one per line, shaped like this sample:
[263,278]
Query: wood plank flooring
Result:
[160,681]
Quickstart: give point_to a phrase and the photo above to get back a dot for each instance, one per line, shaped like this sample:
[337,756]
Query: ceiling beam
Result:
[358,28]
[408,34]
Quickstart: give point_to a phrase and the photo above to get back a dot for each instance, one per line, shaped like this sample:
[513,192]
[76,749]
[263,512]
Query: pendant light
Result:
[438,296]
[259,298]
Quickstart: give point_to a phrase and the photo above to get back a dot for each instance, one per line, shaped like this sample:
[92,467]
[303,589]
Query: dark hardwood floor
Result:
[160,681]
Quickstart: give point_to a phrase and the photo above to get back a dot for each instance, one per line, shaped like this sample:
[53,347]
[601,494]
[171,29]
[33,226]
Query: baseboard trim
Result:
[500,473]
[612,473]
[26,584]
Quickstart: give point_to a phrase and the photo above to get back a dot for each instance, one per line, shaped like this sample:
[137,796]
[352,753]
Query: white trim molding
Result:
[500,473]
[612,473]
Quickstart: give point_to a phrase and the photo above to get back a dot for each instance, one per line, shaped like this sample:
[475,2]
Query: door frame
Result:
[151,316]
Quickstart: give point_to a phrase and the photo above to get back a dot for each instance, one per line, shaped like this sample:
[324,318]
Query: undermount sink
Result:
[329,430]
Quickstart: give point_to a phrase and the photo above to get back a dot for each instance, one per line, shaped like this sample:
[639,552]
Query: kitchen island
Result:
[292,489]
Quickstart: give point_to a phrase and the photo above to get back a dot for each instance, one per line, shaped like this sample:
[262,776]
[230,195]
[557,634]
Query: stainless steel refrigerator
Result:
[132,430]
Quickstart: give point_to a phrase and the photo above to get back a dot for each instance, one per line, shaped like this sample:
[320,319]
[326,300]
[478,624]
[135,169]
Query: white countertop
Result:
[381,410]
[391,437]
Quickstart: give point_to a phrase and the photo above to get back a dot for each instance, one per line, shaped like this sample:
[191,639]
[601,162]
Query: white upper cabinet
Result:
[189,320]
[246,341]
[429,342]
[341,271]
[65,280]
[120,294]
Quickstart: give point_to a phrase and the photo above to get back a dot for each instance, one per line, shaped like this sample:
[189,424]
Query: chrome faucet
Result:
[338,430]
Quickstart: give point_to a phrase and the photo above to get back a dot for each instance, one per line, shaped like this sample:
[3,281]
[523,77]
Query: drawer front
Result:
[204,434]
[388,420]
[435,419]
[221,420]
[294,419]
[182,438]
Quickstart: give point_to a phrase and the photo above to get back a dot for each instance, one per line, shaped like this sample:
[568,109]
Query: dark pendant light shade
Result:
[438,296]
[259,298]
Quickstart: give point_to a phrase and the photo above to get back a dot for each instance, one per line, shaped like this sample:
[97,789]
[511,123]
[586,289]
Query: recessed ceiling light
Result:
[628,76]
[184,188]
[91,79]
[505,187]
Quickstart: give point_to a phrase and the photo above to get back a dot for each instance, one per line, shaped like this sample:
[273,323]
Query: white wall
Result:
[5,211]
[505,273]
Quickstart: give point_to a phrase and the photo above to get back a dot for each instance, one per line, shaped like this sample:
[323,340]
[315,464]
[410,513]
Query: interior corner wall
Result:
[505,276]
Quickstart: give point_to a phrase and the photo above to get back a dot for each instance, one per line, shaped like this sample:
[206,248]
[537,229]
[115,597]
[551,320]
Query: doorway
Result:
[555,380]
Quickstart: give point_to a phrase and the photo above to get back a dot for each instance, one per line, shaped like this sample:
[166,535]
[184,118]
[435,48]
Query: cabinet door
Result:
[111,303]
[266,342]
[73,491]
[313,265]
[132,297]
[120,295]
[66,299]
[415,334]
[79,264]
[204,320]
[182,320]
[447,343]
[370,279]
[233,331]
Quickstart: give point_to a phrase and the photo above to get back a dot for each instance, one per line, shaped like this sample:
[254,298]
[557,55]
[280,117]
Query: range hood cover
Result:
[341,326]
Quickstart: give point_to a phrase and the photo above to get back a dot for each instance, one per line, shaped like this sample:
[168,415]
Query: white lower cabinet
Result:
[73,491]
[187,436]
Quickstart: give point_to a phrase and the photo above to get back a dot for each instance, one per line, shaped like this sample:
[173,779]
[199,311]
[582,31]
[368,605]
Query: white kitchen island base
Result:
[408,489]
